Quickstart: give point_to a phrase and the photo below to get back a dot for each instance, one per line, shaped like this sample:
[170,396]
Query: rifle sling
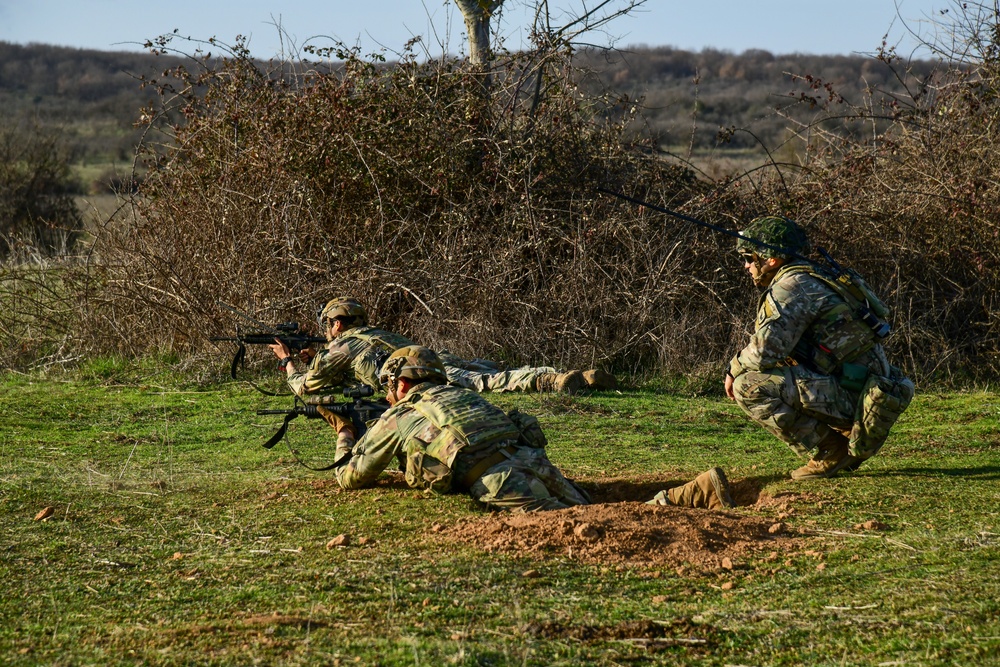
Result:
[281,434]
[241,353]
[281,431]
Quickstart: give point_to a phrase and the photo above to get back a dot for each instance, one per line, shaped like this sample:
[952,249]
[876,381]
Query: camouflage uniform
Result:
[519,379]
[454,440]
[357,356]
[773,381]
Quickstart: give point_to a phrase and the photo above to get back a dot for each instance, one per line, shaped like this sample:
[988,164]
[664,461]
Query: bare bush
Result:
[473,222]
[468,223]
[37,211]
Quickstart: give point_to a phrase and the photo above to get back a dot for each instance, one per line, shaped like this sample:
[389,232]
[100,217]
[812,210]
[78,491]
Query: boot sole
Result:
[598,379]
[721,486]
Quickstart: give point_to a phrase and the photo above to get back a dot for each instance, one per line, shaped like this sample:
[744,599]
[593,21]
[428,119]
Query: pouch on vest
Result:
[530,432]
[840,334]
[853,377]
[883,400]
[426,472]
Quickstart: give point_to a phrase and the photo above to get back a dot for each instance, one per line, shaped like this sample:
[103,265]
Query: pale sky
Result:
[779,26]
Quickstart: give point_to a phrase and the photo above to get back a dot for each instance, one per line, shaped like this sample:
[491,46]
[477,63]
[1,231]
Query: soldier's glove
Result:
[336,421]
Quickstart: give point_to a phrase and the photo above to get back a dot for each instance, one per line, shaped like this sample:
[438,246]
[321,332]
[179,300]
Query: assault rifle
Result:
[869,308]
[359,413]
[287,332]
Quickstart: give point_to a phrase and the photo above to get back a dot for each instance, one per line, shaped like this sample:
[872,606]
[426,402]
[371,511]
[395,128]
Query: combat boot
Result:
[830,458]
[598,379]
[565,383]
[709,490]
[856,462]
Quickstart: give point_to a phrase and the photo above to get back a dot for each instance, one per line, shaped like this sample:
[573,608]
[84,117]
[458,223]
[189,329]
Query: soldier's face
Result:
[752,265]
[761,270]
[333,329]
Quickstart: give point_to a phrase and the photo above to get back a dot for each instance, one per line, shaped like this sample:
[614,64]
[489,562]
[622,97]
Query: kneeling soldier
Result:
[814,373]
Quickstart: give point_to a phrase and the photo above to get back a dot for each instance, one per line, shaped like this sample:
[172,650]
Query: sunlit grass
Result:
[176,539]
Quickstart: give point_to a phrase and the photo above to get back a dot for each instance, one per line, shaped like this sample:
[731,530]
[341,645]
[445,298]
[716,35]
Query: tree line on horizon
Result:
[475,221]
[93,99]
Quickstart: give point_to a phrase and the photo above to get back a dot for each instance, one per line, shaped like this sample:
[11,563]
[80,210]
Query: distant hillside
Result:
[687,97]
[94,97]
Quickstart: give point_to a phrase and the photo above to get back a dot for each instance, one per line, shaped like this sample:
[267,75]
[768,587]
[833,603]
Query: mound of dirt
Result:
[621,531]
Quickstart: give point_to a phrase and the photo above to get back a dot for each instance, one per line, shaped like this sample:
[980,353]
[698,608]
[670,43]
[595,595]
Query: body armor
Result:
[457,421]
[369,348]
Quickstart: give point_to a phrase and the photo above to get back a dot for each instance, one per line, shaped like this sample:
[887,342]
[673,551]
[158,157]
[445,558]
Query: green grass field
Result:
[175,539]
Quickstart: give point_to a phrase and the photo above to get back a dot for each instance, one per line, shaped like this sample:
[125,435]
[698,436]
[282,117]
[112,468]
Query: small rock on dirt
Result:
[341,540]
[872,524]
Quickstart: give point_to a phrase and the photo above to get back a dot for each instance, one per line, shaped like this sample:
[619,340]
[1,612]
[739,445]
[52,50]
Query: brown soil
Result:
[621,530]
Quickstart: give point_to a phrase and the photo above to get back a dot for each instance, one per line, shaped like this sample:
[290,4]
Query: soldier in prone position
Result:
[356,352]
[453,439]
[814,372]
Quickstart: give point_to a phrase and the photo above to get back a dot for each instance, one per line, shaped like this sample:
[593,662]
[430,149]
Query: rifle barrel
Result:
[708,225]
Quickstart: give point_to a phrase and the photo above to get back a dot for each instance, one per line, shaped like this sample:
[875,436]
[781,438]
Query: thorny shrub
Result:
[464,218]
[472,221]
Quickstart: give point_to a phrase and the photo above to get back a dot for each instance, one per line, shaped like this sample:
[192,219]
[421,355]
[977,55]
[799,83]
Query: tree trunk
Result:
[477,14]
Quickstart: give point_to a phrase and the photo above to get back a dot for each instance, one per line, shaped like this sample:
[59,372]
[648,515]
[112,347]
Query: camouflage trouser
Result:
[798,406]
[520,379]
[527,482]
[481,365]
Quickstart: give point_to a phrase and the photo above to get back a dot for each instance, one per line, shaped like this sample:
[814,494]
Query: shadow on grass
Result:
[984,472]
[747,490]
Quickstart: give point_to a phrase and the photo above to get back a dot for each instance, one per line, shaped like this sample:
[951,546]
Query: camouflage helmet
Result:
[775,231]
[413,362]
[342,306]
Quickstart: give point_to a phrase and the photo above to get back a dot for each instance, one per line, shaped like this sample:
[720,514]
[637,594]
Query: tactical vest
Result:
[838,336]
[377,345]
[459,421]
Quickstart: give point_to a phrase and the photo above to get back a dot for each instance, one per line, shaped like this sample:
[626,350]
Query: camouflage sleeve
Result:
[327,369]
[785,311]
[375,451]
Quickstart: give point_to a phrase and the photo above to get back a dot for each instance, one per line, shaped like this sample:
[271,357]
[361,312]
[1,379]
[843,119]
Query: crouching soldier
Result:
[814,372]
